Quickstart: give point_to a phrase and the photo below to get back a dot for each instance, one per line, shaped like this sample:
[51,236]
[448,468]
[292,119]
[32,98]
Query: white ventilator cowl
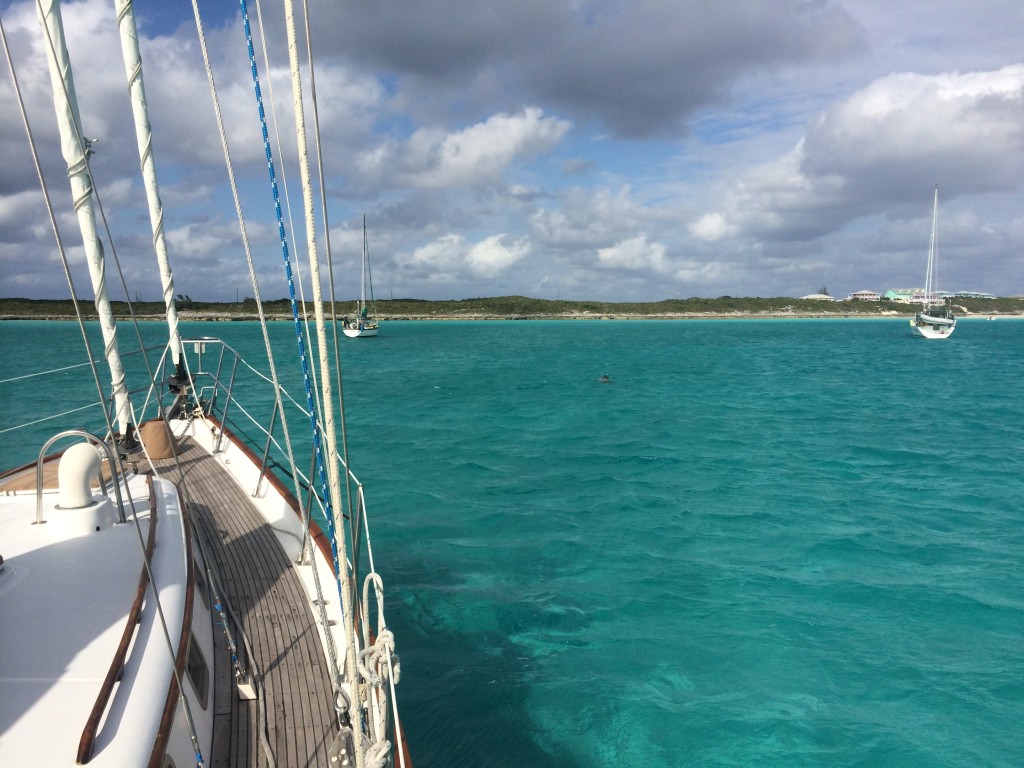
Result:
[79,466]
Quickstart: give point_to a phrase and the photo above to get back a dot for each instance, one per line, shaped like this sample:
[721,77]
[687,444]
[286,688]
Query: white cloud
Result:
[493,256]
[455,256]
[445,254]
[585,218]
[633,254]
[194,243]
[480,153]
[904,123]
[712,227]
[892,140]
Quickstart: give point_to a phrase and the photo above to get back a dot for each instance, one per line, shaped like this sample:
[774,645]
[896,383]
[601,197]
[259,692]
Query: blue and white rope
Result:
[314,425]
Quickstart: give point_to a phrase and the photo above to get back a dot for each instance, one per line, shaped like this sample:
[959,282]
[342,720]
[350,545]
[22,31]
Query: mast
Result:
[76,149]
[930,272]
[144,137]
[362,278]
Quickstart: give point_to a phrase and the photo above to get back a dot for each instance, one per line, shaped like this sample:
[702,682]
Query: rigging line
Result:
[42,373]
[53,219]
[259,302]
[288,204]
[318,144]
[343,576]
[325,392]
[150,373]
[339,567]
[54,416]
[311,410]
[244,233]
[290,226]
[287,195]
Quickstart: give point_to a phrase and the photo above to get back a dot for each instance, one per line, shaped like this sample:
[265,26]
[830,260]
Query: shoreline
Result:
[228,317]
[511,308]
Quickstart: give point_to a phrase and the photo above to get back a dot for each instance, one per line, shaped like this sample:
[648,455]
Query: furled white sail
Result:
[75,148]
[144,136]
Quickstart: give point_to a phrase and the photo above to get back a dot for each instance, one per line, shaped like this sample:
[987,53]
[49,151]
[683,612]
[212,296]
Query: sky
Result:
[605,150]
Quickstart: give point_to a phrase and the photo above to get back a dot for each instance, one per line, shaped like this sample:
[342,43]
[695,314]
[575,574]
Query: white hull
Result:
[85,569]
[933,327]
[355,333]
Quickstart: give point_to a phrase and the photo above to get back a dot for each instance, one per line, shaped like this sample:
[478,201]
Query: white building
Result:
[864,296]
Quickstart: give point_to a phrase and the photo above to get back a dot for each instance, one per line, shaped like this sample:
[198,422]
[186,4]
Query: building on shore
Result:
[905,295]
[864,296]
[817,297]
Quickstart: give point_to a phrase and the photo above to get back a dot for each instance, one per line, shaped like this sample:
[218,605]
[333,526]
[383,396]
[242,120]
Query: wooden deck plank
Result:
[222,695]
[265,592]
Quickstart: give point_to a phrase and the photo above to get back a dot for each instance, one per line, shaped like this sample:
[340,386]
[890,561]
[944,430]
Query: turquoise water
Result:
[763,543]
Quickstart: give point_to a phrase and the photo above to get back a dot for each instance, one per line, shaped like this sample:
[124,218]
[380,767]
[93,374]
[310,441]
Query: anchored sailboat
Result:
[173,600]
[365,321]
[935,320]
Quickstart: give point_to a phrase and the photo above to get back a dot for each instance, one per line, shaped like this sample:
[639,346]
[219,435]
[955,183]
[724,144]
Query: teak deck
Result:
[262,588]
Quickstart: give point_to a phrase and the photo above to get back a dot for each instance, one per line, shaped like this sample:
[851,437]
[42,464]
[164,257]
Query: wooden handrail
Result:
[87,743]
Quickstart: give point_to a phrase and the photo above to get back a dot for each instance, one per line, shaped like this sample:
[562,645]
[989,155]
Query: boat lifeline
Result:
[935,320]
[166,597]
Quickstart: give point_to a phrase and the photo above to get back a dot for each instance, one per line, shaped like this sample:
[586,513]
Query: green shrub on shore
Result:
[514,307]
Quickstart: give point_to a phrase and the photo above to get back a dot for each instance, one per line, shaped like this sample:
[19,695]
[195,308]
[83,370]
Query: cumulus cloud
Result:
[481,152]
[635,253]
[905,127]
[586,218]
[640,67]
[445,254]
[495,255]
[456,257]
[890,141]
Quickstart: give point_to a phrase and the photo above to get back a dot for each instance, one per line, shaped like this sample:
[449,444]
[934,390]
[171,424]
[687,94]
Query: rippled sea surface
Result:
[762,543]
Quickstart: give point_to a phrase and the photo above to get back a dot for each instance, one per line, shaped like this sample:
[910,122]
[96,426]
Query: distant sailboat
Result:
[365,321]
[935,320]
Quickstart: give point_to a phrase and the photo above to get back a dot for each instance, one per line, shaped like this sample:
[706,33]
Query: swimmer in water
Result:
[605,379]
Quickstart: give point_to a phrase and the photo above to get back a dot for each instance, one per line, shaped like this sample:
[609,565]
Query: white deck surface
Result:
[65,596]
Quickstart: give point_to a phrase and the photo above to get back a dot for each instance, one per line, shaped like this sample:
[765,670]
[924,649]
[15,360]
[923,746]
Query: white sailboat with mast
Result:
[199,609]
[935,320]
[365,322]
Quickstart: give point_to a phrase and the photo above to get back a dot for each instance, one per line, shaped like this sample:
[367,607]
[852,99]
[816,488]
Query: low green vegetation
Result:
[514,307]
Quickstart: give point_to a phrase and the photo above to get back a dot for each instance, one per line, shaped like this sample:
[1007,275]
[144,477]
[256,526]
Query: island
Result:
[518,308]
